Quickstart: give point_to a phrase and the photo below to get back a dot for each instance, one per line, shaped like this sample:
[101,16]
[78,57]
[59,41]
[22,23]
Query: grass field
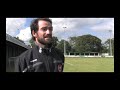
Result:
[78,64]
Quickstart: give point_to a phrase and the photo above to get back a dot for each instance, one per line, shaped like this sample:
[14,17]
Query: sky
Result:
[99,27]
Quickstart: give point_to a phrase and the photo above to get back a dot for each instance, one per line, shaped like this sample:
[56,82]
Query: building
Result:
[14,47]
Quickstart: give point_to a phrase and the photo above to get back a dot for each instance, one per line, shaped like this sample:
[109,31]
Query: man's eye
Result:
[44,29]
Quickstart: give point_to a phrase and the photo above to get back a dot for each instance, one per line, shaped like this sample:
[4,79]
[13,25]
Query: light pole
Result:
[110,43]
[64,43]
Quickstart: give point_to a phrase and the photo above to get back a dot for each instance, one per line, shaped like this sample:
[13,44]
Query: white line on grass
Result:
[69,63]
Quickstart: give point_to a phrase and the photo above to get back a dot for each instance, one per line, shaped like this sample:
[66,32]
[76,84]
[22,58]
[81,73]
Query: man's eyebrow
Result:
[46,27]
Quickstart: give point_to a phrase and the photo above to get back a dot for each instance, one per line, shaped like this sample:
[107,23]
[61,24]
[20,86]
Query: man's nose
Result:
[48,31]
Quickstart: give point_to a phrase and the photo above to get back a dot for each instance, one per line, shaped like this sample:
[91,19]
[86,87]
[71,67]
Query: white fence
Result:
[89,55]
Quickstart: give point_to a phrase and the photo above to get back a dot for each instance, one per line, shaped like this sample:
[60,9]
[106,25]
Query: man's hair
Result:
[34,24]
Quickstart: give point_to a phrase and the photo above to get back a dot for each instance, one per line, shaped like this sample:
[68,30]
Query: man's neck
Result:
[42,45]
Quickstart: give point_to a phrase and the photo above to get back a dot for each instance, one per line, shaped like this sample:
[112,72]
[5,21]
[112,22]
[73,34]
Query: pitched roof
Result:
[15,41]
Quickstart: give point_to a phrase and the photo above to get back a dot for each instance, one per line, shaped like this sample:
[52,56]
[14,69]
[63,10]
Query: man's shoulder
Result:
[58,54]
[26,53]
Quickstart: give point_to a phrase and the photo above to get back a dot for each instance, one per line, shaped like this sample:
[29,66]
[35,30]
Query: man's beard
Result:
[45,42]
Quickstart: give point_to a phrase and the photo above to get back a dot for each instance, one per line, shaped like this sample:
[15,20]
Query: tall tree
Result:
[86,43]
[61,46]
[54,41]
[104,48]
[72,42]
[107,45]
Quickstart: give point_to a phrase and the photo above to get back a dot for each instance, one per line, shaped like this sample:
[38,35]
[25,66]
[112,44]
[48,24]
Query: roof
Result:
[15,41]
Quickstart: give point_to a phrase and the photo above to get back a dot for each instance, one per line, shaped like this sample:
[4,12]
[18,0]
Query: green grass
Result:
[89,64]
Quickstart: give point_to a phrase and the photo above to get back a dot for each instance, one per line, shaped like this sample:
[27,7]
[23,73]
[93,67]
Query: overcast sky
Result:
[19,27]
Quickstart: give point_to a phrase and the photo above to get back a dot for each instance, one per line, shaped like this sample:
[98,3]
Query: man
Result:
[43,57]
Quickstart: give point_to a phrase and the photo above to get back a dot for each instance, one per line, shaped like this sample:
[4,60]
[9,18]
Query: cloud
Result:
[106,25]
[76,25]
[13,25]
[25,35]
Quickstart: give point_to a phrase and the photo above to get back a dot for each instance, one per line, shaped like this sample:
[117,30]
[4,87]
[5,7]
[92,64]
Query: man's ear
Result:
[34,33]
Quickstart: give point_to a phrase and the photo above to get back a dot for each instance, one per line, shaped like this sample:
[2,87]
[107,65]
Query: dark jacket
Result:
[33,60]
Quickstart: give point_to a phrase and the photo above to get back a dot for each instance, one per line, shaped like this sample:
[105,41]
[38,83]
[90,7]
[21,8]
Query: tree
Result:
[68,47]
[86,43]
[61,46]
[107,45]
[54,41]
[72,42]
[31,41]
[104,48]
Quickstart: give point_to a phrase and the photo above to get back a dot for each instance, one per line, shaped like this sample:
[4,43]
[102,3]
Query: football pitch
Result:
[82,64]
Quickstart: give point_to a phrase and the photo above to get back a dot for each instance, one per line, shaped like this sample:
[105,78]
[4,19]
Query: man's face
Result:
[44,33]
